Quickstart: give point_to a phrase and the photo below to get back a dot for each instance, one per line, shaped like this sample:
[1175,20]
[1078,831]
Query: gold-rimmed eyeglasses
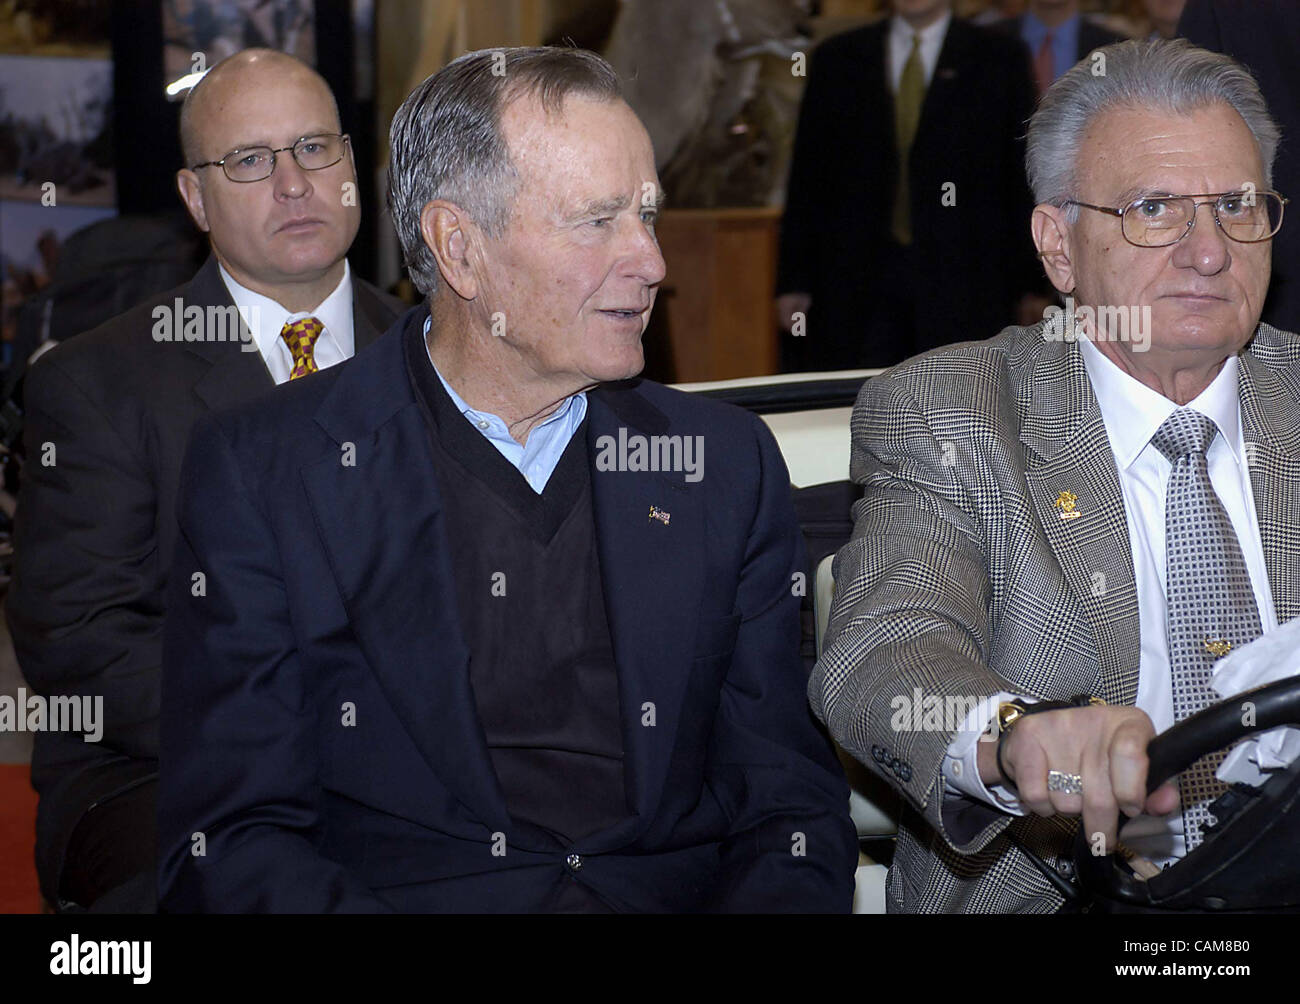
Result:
[256,163]
[1155,221]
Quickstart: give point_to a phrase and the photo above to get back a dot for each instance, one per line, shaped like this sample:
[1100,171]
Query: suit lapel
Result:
[946,79]
[1070,455]
[877,92]
[652,574]
[876,96]
[1271,432]
[369,318]
[396,580]
[234,376]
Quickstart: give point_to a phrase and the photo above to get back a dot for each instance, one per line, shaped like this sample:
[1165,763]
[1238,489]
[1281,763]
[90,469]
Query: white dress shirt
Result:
[900,47]
[267,319]
[1132,412]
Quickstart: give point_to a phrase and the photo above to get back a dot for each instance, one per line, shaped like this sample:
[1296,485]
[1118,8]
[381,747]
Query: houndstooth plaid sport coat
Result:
[962,579]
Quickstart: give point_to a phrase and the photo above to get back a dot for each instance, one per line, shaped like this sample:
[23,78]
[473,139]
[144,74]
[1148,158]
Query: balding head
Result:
[247,71]
[283,235]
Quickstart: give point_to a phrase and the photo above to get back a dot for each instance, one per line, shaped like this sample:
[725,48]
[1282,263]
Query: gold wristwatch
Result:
[1010,712]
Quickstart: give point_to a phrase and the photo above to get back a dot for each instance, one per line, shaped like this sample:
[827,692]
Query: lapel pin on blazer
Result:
[1065,502]
[662,515]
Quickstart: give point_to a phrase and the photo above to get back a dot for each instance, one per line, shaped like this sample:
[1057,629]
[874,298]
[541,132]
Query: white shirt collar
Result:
[1133,411]
[901,32]
[267,317]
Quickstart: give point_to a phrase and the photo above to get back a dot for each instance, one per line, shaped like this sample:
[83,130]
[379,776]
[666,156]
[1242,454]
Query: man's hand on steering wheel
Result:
[1088,761]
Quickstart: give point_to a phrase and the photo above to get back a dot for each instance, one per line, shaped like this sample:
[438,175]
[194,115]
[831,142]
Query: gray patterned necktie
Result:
[1211,606]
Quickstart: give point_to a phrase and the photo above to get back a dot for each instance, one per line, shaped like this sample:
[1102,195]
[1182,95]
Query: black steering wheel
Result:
[1217,874]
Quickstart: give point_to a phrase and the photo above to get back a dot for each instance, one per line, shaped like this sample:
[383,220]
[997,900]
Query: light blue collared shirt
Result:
[537,459]
[1065,41]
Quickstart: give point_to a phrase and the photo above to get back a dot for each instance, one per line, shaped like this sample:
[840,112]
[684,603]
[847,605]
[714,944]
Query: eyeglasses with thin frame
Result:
[257,163]
[1156,221]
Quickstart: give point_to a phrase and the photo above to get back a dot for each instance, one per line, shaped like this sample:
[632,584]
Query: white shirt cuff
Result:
[961,765]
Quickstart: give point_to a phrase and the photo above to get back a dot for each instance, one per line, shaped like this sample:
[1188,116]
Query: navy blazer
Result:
[321,749]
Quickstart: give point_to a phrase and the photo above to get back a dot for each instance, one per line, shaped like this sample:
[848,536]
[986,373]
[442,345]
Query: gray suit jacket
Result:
[962,580]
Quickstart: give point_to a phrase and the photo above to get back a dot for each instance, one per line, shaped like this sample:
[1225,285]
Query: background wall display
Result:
[54,27]
[721,112]
[32,235]
[56,140]
[220,28]
[55,122]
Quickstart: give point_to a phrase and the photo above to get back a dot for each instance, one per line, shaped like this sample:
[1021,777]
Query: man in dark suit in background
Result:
[1057,36]
[884,263]
[463,645]
[109,413]
[1265,35]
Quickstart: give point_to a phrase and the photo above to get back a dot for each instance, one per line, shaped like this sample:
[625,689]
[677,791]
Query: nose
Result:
[1206,248]
[290,180]
[644,259]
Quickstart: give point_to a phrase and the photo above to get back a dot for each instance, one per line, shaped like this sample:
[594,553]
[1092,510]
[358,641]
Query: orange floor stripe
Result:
[19,892]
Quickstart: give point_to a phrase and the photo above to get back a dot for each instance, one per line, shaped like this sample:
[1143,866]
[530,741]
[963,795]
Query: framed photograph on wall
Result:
[56,130]
[200,33]
[75,28]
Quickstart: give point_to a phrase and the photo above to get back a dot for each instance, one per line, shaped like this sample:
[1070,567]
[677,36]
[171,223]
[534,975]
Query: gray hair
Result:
[1172,76]
[446,140]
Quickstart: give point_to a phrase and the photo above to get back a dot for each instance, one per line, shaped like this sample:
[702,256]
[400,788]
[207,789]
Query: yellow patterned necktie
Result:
[907,115]
[300,336]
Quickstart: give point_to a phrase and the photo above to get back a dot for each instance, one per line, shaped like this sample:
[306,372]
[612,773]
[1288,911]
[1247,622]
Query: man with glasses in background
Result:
[1068,532]
[271,181]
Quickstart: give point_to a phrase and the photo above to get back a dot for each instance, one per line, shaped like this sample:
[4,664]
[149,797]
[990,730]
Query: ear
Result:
[187,183]
[1052,236]
[352,160]
[452,238]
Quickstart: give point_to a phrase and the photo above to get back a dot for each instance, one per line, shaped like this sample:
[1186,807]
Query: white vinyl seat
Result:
[869,887]
[814,443]
[873,805]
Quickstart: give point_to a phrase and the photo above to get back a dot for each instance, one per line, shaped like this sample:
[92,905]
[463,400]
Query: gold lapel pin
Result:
[662,515]
[1218,647]
[1065,502]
